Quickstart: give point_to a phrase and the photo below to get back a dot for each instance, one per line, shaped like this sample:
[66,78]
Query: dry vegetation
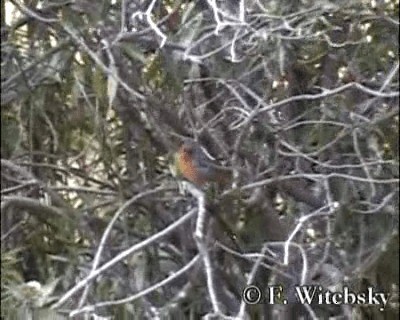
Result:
[299,98]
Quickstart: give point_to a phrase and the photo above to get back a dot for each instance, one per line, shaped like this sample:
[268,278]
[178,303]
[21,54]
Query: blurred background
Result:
[298,98]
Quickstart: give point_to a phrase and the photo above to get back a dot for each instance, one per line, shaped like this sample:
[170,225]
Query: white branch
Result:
[142,293]
[124,254]
[106,233]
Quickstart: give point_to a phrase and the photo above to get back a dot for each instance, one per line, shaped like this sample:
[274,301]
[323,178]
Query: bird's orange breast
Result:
[188,169]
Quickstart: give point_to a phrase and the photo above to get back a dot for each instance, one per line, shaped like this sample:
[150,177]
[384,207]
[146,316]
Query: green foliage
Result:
[93,105]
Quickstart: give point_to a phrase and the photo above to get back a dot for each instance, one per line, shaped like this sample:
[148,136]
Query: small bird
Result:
[197,167]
